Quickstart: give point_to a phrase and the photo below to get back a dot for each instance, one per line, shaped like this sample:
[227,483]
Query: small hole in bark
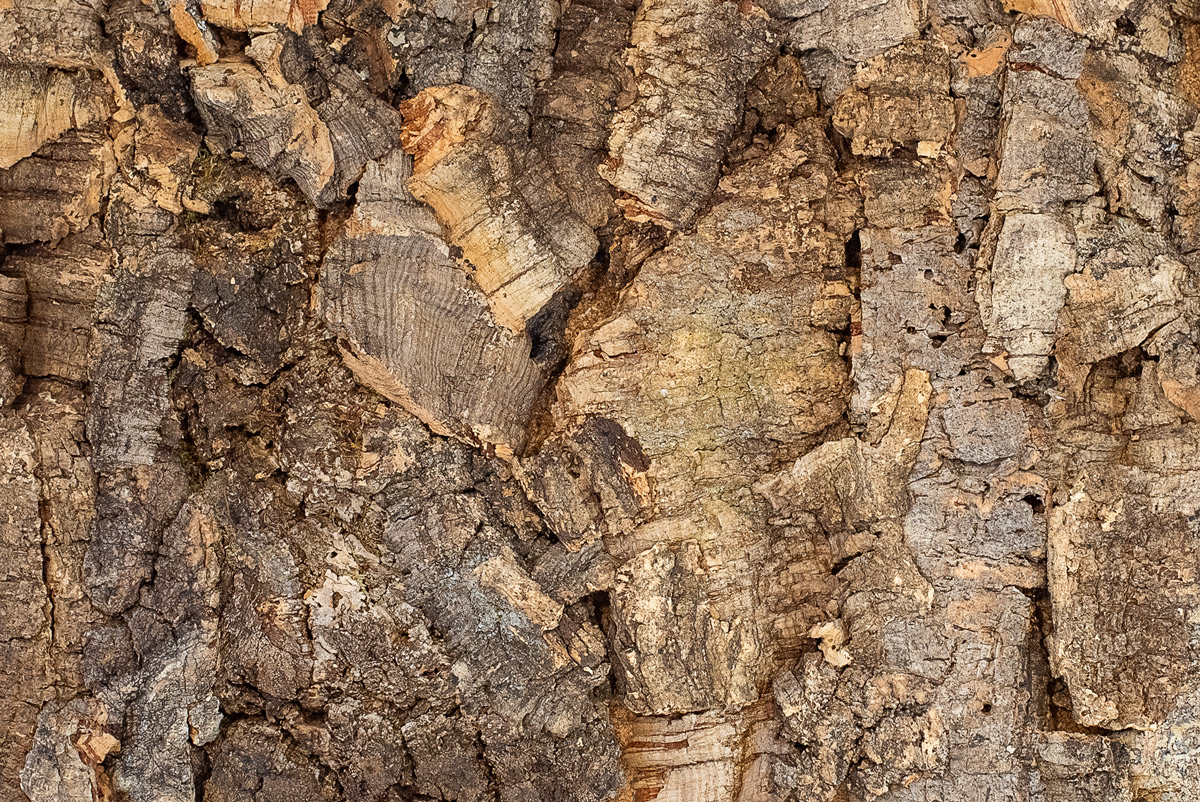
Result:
[987,708]
[938,340]
[233,213]
[230,42]
[854,251]
[929,275]
[601,604]
[960,243]
[1036,503]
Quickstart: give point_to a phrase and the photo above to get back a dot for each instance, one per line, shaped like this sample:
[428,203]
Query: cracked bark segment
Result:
[716,349]
[14,303]
[677,649]
[139,332]
[510,55]
[1080,768]
[910,195]
[25,631]
[57,190]
[147,53]
[575,108]
[854,30]
[45,611]
[531,692]
[896,706]
[132,509]
[166,701]
[1126,291]
[780,93]
[1177,348]
[252,260]
[1185,226]
[502,575]
[1136,123]
[189,25]
[415,326]
[62,284]
[259,15]
[974,142]
[903,720]
[53,773]
[850,485]
[274,125]
[466,695]
[419,43]
[498,199]
[900,99]
[691,62]
[295,114]
[39,105]
[164,150]
[699,756]
[264,640]
[602,470]
[63,33]
[259,761]
[140,317]
[1092,18]
[1046,149]
[1122,579]
[55,413]
[505,50]
[916,311]
[1045,45]
[1021,295]
[869,746]
[862,723]
[1164,763]
[976,537]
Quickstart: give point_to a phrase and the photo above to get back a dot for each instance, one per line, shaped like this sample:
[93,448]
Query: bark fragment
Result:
[691,62]
[499,201]
[295,113]
[391,272]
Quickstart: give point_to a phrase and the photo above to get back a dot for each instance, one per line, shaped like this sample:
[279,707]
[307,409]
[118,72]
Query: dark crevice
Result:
[854,253]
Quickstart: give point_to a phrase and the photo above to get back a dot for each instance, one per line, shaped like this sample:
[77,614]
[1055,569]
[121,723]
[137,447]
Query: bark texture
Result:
[541,400]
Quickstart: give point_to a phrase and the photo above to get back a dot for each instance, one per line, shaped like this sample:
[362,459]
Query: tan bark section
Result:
[249,16]
[40,105]
[499,202]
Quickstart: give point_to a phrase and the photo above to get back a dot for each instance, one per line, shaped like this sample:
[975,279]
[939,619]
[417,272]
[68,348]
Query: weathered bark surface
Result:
[678,400]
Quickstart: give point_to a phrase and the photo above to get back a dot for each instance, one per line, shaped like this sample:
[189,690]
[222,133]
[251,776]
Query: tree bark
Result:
[683,400]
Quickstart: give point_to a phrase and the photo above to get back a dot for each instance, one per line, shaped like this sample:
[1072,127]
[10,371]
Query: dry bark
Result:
[677,400]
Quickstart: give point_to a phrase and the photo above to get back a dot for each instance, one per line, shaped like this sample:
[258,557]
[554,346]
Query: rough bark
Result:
[678,400]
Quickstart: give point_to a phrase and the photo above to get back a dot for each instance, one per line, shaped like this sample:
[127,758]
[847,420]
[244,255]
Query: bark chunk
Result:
[691,62]
[497,198]
[416,327]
